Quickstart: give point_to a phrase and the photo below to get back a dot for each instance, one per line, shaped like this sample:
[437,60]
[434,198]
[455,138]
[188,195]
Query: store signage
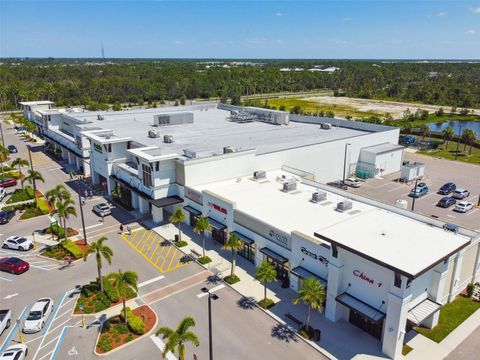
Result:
[218,208]
[282,239]
[361,275]
[320,258]
[193,195]
[98,148]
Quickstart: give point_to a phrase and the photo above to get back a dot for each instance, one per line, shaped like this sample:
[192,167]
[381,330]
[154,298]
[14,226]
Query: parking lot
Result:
[437,173]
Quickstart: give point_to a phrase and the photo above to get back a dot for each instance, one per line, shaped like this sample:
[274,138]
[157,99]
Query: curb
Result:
[128,343]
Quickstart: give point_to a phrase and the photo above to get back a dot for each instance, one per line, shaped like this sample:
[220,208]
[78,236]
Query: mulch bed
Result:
[118,335]
[81,245]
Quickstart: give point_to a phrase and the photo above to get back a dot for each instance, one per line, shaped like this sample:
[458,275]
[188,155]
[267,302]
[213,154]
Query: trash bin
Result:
[317,334]
[176,238]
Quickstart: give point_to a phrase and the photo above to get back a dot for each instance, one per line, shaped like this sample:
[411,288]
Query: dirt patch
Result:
[82,246]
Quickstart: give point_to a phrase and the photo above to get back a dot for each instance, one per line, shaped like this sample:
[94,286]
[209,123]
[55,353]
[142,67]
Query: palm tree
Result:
[4,154]
[424,130]
[469,137]
[448,135]
[65,208]
[200,227]
[235,244]
[121,282]
[177,218]
[32,178]
[20,163]
[100,251]
[312,294]
[266,273]
[58,193]
[176,339]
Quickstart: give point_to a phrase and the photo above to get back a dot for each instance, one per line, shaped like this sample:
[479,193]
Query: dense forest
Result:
[83,82]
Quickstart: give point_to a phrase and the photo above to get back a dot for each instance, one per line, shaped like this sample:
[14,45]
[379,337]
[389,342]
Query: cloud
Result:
[278,13]
[345,19]
[257,41]
[178,42]
[441,13]
[475,10]
[470,32]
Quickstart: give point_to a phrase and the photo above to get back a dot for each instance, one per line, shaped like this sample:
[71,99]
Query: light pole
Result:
[20,332]
[458,140]
[34,242]
[80,202]
[414,193]
[210,341]
[34,183]
[1,132]
[345,162]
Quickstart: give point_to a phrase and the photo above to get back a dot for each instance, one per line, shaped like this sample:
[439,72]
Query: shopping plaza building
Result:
[261,174]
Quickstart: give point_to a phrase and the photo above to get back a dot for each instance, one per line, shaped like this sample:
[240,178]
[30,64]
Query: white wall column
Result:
[476,268]
[457,267]
[134,200]
[157,214]
[334,310]
[395,322]
[142,205]
[439,277]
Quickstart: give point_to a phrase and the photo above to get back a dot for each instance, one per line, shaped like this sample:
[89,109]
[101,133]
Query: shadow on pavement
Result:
[284,333]
[247,303]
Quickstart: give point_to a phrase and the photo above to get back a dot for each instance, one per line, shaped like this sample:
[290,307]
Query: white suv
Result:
[38,316]
[15,352]
[352,182]
[461,194]
[17,243]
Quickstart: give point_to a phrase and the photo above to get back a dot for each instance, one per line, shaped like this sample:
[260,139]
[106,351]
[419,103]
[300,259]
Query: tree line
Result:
[70,82]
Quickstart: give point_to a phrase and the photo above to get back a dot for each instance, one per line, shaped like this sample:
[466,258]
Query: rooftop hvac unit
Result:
[289,185]
[319,196]
[326,126]
[100,117]
[168,139]
[344,205]
[259,174]
[189,153]
[228,150]
[153,134]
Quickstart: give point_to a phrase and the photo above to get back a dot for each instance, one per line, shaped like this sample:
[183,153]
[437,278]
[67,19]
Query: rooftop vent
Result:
[344,205]
[168,139]
[259,174]
[189,153]
[228,150]
[100,117]
[153,134]
[319,196]
[326,126]
[289,185]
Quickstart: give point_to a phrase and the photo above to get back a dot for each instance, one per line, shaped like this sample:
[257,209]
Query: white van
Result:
[3,193]
[352,182]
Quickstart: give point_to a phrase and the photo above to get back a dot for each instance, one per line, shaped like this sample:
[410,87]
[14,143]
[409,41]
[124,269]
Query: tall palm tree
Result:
[424,131]
[311,294]
[177,218]
[266,273]
[200,227]
[32,177]
[101,251]
[469,137]
[20,163]
[177,338]
[121,282]
[58,193]
[65,208]
[235,244]
[448,135]
[4,154]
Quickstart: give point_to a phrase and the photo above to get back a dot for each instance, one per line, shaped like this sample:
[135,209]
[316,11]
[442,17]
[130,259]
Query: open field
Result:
[445,152]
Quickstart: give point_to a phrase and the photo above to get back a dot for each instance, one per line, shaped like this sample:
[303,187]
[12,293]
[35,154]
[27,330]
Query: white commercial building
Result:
[384,268]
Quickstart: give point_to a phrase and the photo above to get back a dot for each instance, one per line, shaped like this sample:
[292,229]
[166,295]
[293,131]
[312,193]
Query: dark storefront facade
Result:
[279,262]
[248,249]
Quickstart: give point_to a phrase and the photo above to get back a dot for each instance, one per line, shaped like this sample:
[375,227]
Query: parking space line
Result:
[144,233]
[55,328]
[161,345]
[132,238]
[5,279]
[166,256]
[13,330]
[61,298]
[216,288]
[173,258]
[44,356]
[148,282]
[472,212]
[154,250]
[51,341]
[144,256]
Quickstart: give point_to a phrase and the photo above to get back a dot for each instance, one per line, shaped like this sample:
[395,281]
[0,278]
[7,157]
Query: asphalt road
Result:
[469,349]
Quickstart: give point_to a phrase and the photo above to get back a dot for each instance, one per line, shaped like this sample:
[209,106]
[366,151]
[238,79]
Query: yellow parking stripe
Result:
[166,256]
[165,246]
[142,238]
[146,258]
[132,237]
[154,250]
[173,256]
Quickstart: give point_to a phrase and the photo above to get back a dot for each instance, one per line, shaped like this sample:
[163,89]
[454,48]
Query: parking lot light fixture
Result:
[345,162]
[34,242]
[210,336]
[20,332]
[80,204]
[414,194]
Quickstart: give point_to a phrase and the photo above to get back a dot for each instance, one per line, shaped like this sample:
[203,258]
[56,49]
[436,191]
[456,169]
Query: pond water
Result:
[456,124]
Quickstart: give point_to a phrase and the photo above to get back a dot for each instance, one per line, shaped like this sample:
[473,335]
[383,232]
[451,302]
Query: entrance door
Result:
[219,235]
[193,219]
[372,327]
[282,270]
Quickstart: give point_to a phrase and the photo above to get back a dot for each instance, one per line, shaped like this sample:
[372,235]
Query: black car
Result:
[12,149]
[447,188]
[6,216]
[446,202]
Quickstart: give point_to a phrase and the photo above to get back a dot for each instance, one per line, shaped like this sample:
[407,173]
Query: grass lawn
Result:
[21,195]
[451,316]
[315,107]
[449,153]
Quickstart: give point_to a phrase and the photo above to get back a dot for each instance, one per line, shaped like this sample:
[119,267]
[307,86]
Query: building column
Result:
[457,267]
[142,205]
[439,277]
[134,200]
[334,310]
[476,267]
[157,214]
[395,322]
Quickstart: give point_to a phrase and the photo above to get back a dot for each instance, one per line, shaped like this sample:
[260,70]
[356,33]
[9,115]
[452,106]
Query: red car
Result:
[14,265]
[8,182]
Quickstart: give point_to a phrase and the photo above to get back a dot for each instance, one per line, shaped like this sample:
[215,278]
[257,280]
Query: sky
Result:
[358,29]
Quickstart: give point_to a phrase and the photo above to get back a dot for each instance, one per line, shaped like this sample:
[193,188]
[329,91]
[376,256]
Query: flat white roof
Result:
[398,241]
[40,102]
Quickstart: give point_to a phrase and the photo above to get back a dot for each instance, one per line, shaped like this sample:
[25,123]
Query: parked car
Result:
[420,190]
[12,149]
[102,209]
[38,316]
[352,182]
[3,193]
[14,265]
[5,318]
[446,202]
[463,206]
[338,184]
[15,352]
[7,182]
[461,194]
[6,216]
[447,188]
[17,243]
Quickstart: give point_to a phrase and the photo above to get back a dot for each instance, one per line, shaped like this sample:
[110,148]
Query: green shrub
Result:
[232,279]
[110,291]
[135,323]
[73,249]
[180,244]
[105,344]
[21,195]
[470,289]
[31,212]
[43,205]
[10,174]
[21,206]
[128,338]
[204,260]
[266,303]
[59,231]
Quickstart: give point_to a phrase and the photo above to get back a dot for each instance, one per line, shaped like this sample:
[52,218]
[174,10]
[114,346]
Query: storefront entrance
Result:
[219,231]
[248,249]
[374,328]
[194,215]
[279,262]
